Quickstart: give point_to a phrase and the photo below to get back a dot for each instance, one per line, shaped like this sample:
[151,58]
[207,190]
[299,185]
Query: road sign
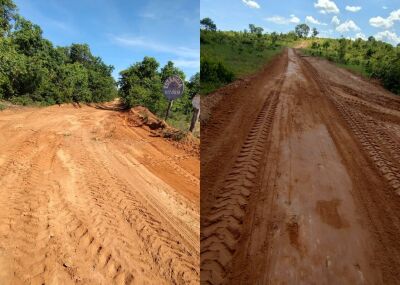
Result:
[173,87]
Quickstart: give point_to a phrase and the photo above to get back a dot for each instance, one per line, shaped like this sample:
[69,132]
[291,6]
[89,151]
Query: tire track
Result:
[223,226]
[380,204]
[373,139]
[89,246]
[68,214]
[29,221]
[175,262]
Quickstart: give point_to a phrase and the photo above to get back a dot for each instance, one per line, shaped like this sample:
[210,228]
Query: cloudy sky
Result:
[333,18]
[122,32]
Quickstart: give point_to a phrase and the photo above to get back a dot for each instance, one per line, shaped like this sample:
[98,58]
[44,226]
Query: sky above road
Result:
[333,18]
[122,32]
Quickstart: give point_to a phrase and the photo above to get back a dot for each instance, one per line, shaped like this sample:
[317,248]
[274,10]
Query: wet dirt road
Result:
[301,178]
[85,198]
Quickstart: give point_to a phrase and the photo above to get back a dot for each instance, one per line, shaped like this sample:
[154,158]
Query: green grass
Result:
[242,60]
[358,69]
[2,107]
[355,68]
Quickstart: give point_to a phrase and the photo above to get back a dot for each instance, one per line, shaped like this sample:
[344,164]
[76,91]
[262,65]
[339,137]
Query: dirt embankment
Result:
[301,176]
[87,198]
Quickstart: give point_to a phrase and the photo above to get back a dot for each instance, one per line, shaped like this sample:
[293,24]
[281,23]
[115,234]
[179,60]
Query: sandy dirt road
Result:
[85,198]
[300,178]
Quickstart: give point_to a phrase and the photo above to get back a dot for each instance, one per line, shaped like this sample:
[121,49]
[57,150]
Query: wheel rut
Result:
[223,225]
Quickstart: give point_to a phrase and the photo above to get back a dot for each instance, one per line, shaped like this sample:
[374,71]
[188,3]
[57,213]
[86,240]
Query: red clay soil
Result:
[86,198]
[300,171]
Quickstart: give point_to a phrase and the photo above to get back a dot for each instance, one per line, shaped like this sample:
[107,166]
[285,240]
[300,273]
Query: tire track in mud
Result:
[380,205]
[223,226]
[365,129]
[383,101]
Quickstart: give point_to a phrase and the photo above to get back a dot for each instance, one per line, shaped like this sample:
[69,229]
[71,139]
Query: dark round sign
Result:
[173,87]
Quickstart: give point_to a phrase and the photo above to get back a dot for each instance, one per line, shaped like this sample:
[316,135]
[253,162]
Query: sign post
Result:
[196,111]
[173,88]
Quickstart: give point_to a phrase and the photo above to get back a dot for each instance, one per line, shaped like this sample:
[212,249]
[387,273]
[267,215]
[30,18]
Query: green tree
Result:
[314,32]
[140,84]
[255,30]
[32,70]
[74,83]
[302,30]
[169,70]
[80,53]
[8,11]
[274,38]
[28,37]
[208,24]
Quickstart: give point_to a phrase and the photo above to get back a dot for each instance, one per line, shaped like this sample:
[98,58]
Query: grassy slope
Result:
[241,63]
[356,68]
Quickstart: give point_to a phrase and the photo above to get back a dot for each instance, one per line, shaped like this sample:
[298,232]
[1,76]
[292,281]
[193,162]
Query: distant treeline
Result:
[226,55]
[370,57]
[33,70]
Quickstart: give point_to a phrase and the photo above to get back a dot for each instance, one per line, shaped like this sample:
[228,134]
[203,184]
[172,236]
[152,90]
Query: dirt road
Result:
[85,198]
[300,169]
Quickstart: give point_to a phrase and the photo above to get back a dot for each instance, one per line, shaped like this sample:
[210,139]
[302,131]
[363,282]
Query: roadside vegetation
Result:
[141,85]
[33,71]
[228,55]
[371,58]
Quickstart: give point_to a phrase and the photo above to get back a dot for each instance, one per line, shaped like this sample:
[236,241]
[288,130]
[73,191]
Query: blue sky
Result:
[333,18]
[122,32]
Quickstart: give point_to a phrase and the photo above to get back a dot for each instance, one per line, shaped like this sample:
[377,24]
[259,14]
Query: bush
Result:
[31,68]
[215,72]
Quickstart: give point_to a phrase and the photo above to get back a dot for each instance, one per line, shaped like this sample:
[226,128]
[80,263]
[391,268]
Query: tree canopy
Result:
[208,24]
[141,84]
[33,70]
[302,30]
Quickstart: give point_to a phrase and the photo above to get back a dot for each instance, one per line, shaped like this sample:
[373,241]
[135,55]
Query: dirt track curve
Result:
[85,198]
[300,171]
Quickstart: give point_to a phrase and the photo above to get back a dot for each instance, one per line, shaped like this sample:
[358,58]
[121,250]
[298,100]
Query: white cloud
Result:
[294,20]
[385,23]
[384,7]
[326,7]
[353,8]
[389,37]
[251,3]
[282,20]
[335,21]
[187,63]
[312,20]
[380,22]
[360,36]
[140,42]
[347,26]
